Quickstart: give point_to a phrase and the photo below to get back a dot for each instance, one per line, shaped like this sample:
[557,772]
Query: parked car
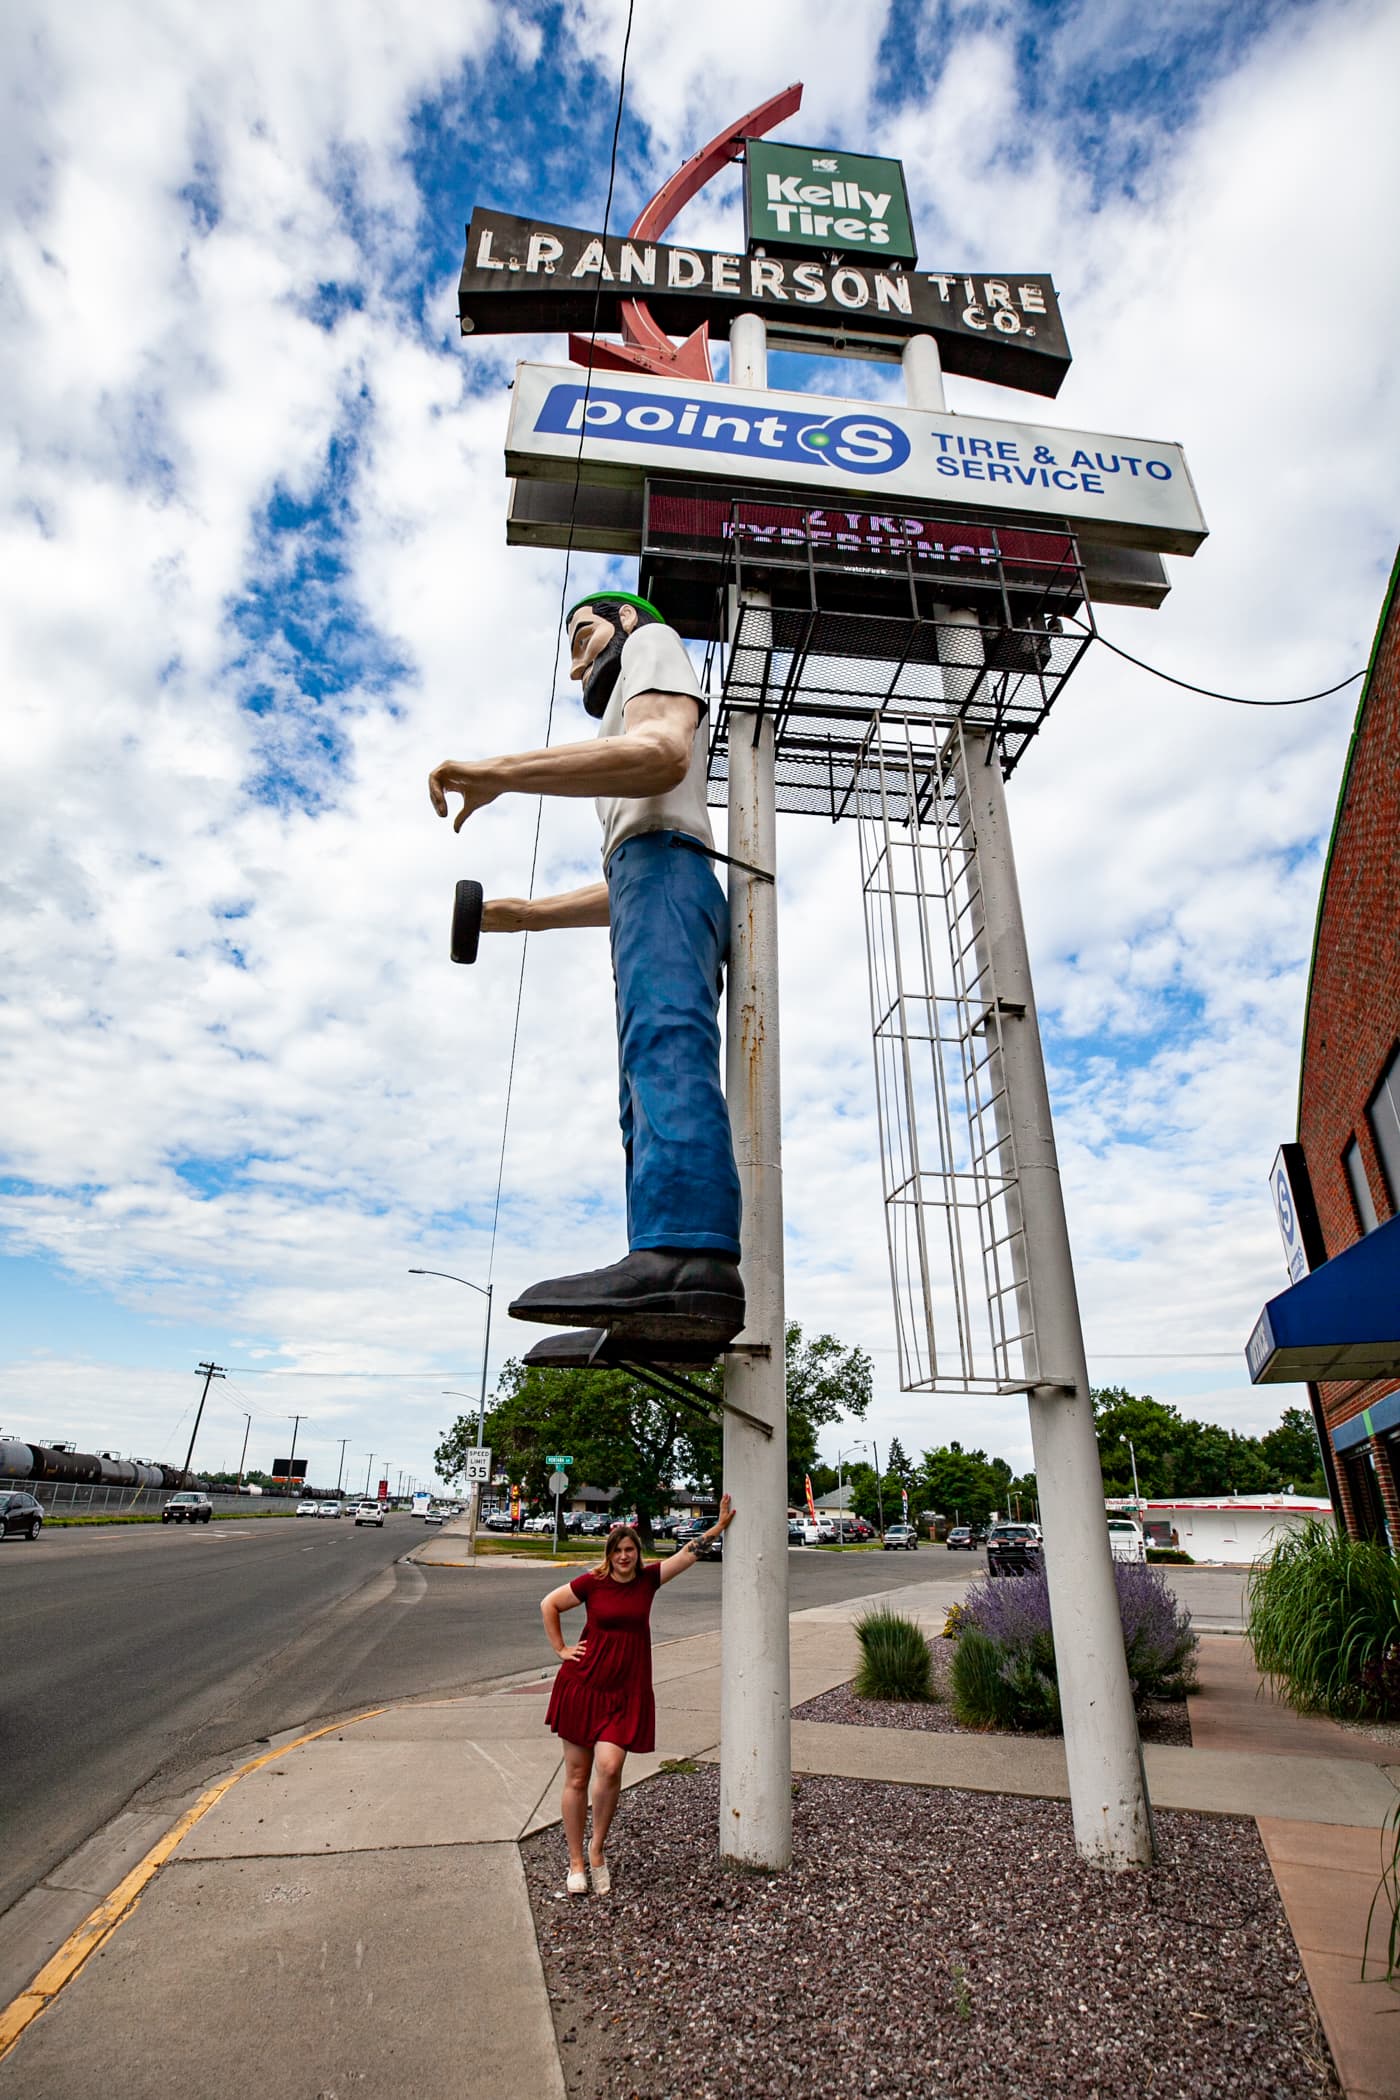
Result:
[308,1509]
[370,1513]
[499,1520]
[810,1529]
[859,1529]
[900,1537]
[593,1525]
[827,1527]
[1125,1539]
[21,1514]
[664,1527]
[435,1516]
[689,1528]
[1014,1549]
[328,1509]
[187,1508]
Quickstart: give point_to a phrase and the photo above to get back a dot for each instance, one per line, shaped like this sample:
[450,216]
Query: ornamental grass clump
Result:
[895,1662]
[1003,1673]
[1324,1622]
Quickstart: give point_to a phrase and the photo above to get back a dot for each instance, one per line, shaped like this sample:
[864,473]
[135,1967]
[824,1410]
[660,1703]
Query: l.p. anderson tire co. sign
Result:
[521,277]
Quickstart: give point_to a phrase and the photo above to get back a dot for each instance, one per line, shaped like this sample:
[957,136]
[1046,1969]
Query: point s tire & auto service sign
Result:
[1134,491]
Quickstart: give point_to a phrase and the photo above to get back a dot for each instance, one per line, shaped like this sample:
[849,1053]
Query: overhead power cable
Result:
[558,640]
[1207,692]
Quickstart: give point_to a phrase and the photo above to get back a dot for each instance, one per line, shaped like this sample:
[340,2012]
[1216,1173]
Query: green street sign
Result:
[837,203]
[560,1458]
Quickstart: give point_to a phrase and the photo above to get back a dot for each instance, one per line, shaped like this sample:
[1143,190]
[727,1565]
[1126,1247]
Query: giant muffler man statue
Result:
[679,1282]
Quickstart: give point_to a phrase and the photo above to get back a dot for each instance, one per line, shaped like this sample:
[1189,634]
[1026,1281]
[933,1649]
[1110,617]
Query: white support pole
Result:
[923,374]
[755,1728]
[1107,1783]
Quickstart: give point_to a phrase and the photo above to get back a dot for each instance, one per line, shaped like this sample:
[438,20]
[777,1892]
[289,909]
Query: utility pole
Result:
[755,1719]
[340,1469]
[296,1422]
[368,1470]
[211,1372]
[243,1456]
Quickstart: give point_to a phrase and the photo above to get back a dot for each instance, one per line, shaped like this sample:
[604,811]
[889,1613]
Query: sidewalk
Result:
[351,1915]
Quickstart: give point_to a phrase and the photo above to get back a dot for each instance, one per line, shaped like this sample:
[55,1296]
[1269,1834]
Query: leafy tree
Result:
[621,1434]
[626,1437]
[1292,1456]
[826,1381]
[966,1485]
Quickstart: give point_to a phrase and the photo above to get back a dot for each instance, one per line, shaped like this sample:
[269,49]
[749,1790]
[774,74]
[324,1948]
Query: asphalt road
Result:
[141,1662]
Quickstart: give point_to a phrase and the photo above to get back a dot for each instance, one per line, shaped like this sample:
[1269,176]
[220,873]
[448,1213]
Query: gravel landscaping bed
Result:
[928,1942]
[1159,1720]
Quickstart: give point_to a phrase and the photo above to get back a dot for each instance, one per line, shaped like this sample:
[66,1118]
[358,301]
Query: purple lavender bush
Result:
[1003,1673]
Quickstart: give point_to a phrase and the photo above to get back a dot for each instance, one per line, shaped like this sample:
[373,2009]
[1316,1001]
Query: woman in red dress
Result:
[602,1705]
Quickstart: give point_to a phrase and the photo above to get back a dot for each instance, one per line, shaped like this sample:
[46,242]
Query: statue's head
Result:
[598,627]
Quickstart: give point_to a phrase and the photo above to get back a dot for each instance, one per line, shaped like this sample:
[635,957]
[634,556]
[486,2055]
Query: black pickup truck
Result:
[1014,1549]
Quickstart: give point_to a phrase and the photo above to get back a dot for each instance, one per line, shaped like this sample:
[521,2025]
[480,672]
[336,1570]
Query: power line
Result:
[558,639]
[1207,692]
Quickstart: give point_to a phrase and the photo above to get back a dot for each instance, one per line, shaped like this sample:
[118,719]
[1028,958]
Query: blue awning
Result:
[1342,1321]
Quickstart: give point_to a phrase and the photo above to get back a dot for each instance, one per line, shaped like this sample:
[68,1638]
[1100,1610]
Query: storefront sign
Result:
[522,277]
[1134,491]
[817,197]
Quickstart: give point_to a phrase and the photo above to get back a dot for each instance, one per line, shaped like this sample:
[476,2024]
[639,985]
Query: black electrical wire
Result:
[558,639]
[1207,693]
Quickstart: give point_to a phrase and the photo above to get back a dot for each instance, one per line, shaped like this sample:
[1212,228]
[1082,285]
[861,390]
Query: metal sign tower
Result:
[891,599]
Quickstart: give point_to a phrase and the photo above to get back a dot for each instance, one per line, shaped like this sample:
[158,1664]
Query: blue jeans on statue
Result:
[670,940]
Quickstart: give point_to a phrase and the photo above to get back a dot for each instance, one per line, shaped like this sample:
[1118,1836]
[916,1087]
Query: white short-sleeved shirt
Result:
[654,661]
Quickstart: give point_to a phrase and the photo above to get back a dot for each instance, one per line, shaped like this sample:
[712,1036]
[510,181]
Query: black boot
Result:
[657,1294]
[594,1349]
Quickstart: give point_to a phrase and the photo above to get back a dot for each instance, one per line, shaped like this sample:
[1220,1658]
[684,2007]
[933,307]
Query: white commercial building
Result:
[1236,1530]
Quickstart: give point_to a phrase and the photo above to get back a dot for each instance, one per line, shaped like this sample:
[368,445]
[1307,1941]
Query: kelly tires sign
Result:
[1134,491]
[818,197]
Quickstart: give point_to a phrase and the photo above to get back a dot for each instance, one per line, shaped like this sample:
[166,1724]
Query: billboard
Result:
[616,428]
[818,197]
[289,1469]
[524,276]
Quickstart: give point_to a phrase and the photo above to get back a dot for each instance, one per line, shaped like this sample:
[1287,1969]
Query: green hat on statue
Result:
[614,598]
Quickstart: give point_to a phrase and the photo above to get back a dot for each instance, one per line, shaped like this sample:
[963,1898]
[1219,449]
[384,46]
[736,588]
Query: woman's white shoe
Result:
[577,1883]
[602,1879]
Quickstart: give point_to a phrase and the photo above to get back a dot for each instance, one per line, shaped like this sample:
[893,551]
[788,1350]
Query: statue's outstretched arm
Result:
[585,907]
[649,758]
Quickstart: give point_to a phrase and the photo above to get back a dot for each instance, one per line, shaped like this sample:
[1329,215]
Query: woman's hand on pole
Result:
[726,1514]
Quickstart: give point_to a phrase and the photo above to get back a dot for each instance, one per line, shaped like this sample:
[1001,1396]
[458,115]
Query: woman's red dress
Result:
[607,1698]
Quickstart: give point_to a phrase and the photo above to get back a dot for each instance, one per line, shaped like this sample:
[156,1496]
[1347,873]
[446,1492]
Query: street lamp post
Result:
[483,1290]
[1137,1499]
[860,1445]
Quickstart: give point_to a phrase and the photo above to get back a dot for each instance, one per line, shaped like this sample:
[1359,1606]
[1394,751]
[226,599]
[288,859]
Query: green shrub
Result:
[995,1686]
[1324,1622]
[1170,1556]
[895,1662]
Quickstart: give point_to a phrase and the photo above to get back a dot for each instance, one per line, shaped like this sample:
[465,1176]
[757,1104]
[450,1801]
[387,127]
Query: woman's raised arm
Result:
[684,1557]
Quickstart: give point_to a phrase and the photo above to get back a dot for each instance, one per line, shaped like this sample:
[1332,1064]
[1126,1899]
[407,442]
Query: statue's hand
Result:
[458,777]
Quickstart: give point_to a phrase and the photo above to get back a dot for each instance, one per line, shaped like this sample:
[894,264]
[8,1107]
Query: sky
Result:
[254,584]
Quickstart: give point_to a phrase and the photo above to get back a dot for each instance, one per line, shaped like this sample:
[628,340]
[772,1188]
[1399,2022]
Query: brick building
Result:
[1337,1190]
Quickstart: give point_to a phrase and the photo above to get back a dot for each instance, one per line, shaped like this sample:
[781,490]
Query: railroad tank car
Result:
[16,1459]
[76,1466]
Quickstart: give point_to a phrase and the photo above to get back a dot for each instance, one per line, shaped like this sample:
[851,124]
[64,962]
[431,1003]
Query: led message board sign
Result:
[1136,492]
[521,276]
[816,197]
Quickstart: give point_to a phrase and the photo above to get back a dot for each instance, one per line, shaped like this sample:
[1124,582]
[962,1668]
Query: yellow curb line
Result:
[101,1923]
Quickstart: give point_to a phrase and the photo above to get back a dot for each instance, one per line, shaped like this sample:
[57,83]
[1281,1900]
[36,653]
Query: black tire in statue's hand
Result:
[466,921]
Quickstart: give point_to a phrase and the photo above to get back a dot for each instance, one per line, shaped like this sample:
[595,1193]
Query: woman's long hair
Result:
[615,1538]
